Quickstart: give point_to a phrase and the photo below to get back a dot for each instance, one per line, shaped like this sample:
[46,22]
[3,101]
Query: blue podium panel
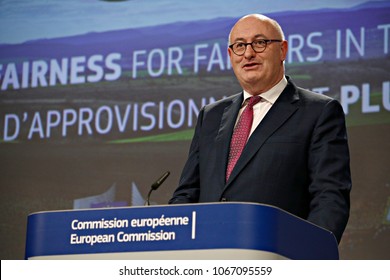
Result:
[187,231]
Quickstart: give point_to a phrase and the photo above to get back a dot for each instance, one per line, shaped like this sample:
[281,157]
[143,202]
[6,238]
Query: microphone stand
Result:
[155,186]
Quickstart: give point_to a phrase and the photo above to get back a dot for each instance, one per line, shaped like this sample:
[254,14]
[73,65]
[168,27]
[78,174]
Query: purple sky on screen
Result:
[72,17]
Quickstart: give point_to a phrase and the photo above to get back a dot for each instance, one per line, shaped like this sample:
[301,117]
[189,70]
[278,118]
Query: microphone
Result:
[156,185]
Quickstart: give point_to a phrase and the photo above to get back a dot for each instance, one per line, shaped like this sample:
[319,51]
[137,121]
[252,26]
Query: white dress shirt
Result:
[268,98]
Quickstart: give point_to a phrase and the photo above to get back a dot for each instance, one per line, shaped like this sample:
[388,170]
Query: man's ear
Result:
[283,50]
[229,52]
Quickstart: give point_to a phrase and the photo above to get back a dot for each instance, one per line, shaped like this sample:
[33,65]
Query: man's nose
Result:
[249,52]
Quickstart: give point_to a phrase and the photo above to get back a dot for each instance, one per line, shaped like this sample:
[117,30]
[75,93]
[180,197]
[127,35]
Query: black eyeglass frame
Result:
[266,42]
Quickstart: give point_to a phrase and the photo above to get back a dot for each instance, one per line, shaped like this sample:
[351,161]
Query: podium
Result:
[187,231]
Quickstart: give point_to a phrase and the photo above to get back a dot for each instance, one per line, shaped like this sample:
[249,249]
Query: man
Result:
[296,157]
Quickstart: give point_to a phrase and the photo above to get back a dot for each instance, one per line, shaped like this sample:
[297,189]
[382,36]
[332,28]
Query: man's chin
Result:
[251,79]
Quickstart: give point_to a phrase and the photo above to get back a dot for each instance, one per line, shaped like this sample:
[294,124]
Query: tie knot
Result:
[253,100]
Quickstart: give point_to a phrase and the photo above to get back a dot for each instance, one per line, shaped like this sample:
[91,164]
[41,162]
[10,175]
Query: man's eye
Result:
[240,45]
[259,43]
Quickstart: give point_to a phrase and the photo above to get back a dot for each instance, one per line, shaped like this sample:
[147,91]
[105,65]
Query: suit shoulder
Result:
[318,102]
[305,95]
[312,96]
[222,103]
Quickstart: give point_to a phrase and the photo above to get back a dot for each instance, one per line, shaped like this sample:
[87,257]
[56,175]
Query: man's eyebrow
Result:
[260,35]
[239,39]
[257,36]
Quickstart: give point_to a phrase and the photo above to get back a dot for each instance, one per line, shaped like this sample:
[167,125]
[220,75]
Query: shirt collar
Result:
[272,94]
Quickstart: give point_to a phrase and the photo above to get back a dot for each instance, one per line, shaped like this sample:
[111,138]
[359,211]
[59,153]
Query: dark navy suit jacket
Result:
[296,159]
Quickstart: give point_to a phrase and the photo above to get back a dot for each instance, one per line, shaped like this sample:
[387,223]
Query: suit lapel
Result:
[283,108]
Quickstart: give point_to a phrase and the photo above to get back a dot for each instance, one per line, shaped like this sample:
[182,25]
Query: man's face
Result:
[257,72]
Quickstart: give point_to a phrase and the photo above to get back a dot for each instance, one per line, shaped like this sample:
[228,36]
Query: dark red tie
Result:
[240,134]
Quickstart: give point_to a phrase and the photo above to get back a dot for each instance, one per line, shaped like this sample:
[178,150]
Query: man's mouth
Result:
[248,66]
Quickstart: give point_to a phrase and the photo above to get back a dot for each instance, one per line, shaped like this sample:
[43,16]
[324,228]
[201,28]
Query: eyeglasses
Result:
[258,46]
